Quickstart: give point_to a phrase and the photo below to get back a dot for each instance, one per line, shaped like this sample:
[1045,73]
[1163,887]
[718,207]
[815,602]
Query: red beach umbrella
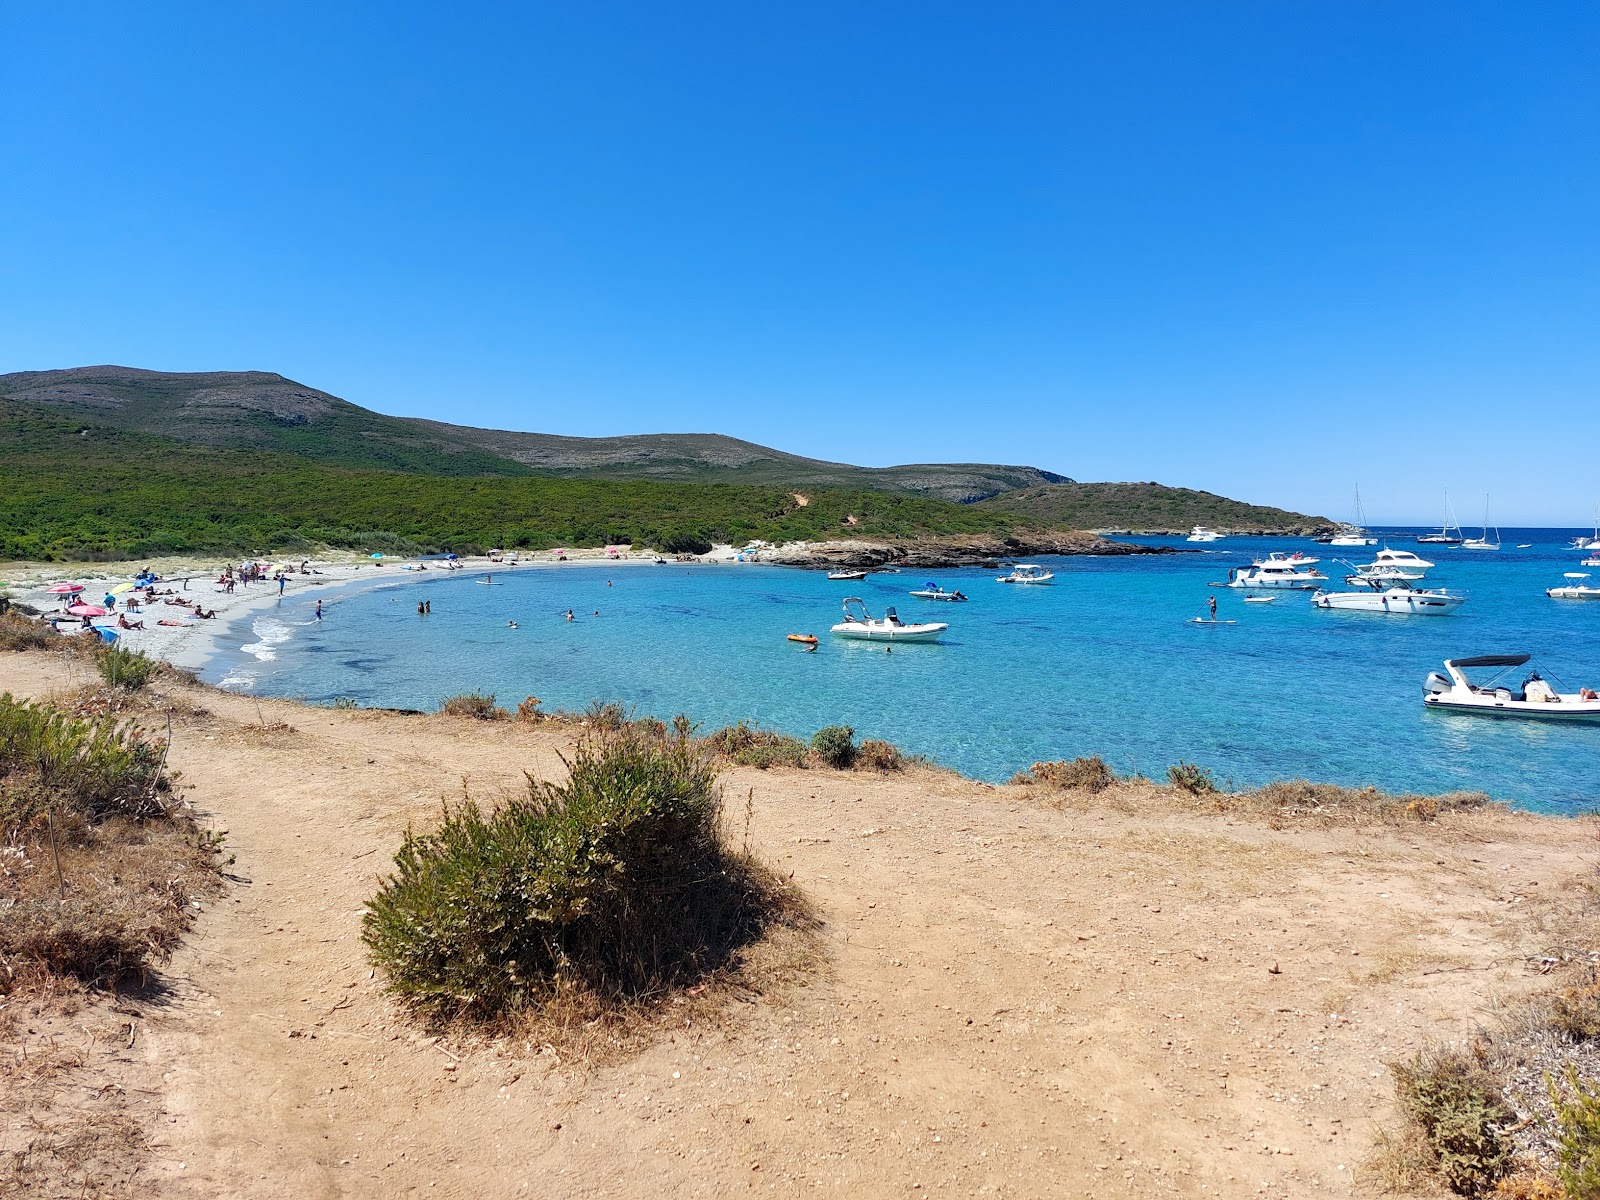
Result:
[65,589]
[87,610]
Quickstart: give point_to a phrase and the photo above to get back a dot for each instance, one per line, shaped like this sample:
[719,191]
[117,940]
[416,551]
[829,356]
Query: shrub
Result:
[615,884]
[685,543]
[874,755]
[1460,1110]
[835,745]
[18,632]
[476,705]
[607,716]
[528,711]
[1575,1013]
[1088,774]
[124,668]
[1577,1134]
[88,769]
[1196,780]
[1291,797]
[751,746]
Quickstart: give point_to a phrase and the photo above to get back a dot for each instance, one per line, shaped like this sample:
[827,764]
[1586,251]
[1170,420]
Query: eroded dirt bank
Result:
[1017,1000]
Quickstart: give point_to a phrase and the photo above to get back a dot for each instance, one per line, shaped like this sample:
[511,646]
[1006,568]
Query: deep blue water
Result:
[1102,662]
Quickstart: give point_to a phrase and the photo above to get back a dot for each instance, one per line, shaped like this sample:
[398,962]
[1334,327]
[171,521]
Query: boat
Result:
[1483,542]
[933,591]
[839,576]
[888,628]
[1534,697]
[1446,523]
[809,639]
[1395,564]
[1591,562]
[1576,590]
[1027,573]
[1277,570]
[1354,533]
[1589,544]
[1396,598]
[1202,534]
[1259,599]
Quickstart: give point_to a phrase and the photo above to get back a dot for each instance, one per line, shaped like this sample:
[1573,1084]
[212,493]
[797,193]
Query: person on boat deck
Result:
[1588,694]
[1537,690]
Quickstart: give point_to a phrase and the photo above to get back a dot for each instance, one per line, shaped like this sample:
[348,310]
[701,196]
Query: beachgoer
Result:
[421,608]
[569,614]
[1213,608]
[608,583]
[110,601]
[513,624]
[319,610]
[283,582]
[597,612]
[124,623]
[427,606]
[1588,694]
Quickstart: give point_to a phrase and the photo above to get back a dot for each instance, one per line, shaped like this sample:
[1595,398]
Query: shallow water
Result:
[1104,662]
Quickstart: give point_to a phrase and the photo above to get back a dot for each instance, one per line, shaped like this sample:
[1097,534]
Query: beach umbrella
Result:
[87,610]
[66,589]
[452,556]
[378,554]
[120,588]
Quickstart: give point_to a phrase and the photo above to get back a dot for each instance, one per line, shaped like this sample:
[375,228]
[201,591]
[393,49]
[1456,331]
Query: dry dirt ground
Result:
[1012,999]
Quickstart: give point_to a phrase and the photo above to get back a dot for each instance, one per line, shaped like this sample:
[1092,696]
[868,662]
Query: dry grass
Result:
[18,632]
[1088,774]
[477,705]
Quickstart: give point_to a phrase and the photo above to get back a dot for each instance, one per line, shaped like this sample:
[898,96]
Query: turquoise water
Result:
[1104,662]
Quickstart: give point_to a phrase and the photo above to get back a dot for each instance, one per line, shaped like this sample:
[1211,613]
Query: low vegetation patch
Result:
[99,861]
[1297,797]
[1461,1114]
[835,745]
[1196,780]
[615,889]
[478,706]
[751,746]
[873,755]
[18,632]
[1088,774]
[128,669]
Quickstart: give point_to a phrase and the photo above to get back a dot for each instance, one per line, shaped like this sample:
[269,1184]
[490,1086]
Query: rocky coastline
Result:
[970,551]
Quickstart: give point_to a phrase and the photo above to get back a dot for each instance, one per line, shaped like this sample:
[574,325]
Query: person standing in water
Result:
[319,610]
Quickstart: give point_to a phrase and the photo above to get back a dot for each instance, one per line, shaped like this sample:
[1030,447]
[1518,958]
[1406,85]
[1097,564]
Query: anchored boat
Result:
[1534,697]
[846,575]
[1277,570]
[1576,590]
[934,591]
[1027,573]
[888,628]
[1398,597]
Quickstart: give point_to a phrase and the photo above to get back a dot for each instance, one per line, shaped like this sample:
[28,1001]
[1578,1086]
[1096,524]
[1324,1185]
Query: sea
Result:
[1105,661]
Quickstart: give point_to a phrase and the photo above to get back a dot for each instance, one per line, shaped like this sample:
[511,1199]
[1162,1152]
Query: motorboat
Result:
[1575,590]
[1447,523]
[1591,562]
[1589,544]
[1482,542]
[889,628]
[933,591]
[1534,697]
[849,576]
[1277,570]
[1027,573]
[1397,598]
[1400,564]
[1202,534]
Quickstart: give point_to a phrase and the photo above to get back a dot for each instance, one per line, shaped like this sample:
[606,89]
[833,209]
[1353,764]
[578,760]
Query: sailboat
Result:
[1591,544]
[1354,534]
[1483,543]
[1444,537]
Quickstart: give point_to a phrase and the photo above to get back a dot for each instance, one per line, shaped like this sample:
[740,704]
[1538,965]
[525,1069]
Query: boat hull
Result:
[1573,593]
[1425,604]
[1301,583]
[950,596]
[878,633]
[1568,711]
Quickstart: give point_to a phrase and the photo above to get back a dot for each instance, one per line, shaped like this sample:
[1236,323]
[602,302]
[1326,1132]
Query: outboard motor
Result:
[1436,684]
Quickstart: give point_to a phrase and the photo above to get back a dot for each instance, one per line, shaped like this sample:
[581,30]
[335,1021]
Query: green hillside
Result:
[1145,508]
[257,410]
[71,493]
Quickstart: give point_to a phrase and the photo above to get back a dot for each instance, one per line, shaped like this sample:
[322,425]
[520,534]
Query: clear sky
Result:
[1267,249]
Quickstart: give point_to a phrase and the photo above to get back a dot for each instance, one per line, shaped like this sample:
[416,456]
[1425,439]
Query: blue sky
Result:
[1270,250]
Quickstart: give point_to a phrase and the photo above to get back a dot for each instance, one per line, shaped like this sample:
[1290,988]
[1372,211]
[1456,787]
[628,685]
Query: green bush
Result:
[750,746]
[1461,1112]
[1089,774]
[835,745]
[89,769]
[615,885]
[1196,780]
[606,716]
[124,668]
[478,706]
[1577,1134]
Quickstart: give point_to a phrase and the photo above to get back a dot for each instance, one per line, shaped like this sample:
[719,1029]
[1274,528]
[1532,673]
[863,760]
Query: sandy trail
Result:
[1018,1001]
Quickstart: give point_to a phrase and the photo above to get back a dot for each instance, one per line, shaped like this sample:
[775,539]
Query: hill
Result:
[258,410]
[1146,508]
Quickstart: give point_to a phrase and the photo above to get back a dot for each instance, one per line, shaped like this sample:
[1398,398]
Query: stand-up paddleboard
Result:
[1209,621]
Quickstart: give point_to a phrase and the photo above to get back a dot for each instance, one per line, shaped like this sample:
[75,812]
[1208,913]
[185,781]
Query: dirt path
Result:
[1018,1002]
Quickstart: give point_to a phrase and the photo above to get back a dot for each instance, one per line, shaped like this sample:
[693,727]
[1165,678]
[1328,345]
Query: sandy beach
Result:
[190,643]
[1014,994]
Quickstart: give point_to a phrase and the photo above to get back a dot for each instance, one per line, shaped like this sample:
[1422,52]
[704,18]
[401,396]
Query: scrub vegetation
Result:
[614,889]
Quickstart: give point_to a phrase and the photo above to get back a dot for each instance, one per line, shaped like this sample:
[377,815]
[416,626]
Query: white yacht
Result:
[1533,697]
[1399,597]
[935,591]
[1400,564]
[1277,570]
[850,576]
[1027,573]
[888,628]
[1354,533]
[1202,534]
[1576,589]
[1482,542]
